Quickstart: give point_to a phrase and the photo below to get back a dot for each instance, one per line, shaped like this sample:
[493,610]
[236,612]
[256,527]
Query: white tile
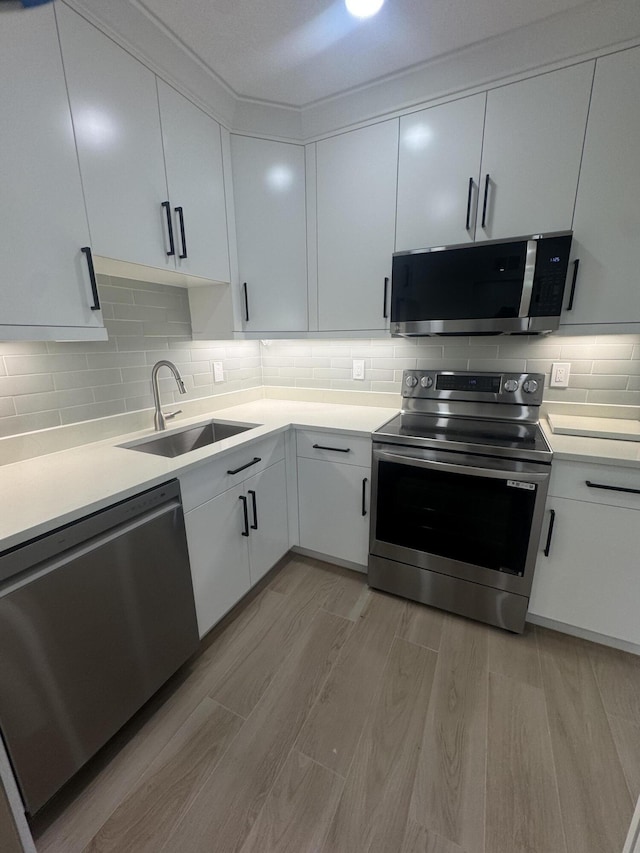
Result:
[29,364]
[11,386]
[53,400]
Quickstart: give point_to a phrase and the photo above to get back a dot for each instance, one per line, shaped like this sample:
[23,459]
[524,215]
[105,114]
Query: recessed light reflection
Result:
[279,178]
[363,8]
[96,128]
[418,137]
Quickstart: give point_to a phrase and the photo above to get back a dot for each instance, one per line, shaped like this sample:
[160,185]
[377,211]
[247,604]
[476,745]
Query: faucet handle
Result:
[169,415]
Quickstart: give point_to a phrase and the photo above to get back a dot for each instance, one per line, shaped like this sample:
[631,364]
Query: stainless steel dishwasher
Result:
[94,618]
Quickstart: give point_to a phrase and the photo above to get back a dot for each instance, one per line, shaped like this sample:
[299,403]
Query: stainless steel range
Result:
[460,480]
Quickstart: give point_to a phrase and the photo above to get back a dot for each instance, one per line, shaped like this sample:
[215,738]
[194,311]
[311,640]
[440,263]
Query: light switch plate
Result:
[358,368]
[560,372]
[218,371]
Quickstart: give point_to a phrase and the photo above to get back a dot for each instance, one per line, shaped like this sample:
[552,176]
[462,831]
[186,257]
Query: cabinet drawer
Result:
[569,480]
[212,478]
[334,447]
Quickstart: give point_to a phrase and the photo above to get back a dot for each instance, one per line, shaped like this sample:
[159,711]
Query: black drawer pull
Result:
[612,488]
[336,449]
[242,467]
[92,278]
[254,526]
[576,265]
[552,521]
[180,213]
[469,197]
[245,532]
[364,495]
[172,245]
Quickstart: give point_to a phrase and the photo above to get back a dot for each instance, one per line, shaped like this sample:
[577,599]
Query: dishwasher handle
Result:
[28,575]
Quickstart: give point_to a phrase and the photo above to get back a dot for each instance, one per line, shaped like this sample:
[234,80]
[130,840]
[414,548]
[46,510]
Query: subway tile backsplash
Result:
[50,384]
[604,369]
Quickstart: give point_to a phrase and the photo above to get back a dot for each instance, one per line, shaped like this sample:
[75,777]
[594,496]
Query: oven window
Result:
[477,520]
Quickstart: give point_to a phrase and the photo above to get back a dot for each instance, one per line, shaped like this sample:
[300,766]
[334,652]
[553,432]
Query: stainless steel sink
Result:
[187,440]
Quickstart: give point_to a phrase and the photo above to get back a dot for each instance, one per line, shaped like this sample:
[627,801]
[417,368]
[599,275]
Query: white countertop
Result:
[43,493]
[602,451]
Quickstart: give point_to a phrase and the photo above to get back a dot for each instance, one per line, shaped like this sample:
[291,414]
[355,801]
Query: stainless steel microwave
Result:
[495,287]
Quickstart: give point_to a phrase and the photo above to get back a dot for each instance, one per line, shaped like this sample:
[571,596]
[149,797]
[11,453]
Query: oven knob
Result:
[426,381]
[511,385]
[411,381]
[530,386]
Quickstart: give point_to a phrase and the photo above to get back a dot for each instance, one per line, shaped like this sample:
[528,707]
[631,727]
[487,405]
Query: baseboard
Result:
[346,564]
[584,634]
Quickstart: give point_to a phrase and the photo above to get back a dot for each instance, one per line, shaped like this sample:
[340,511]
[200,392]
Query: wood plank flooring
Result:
[324,717]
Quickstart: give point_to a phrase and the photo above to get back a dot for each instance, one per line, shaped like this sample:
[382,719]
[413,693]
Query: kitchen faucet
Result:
[159,418]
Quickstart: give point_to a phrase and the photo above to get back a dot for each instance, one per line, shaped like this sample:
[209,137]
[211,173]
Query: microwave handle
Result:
[470,470]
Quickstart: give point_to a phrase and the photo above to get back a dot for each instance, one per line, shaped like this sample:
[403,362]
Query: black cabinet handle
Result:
[243,467]
[246,302]
[180,213]
[469,197]
[254,526]
[385,313]
[245,532]
[92,278]
[552,521]
[172,246]
[364,495]
[576,265]
[337,449]
[612,488]
[486,199]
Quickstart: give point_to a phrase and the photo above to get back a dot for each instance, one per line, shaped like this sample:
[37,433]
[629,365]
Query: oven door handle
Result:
[467,470]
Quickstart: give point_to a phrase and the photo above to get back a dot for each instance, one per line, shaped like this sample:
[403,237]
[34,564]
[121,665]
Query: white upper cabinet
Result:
[270,207]
[356,202]
[46,288]
[114,104]
[533,138]
[193,158]
[439,174]
[607,218]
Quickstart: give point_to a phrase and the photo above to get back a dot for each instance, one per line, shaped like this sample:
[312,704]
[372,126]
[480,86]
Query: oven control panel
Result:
[474,386]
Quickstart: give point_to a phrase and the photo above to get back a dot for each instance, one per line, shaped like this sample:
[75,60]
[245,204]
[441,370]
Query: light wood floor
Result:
[323,716]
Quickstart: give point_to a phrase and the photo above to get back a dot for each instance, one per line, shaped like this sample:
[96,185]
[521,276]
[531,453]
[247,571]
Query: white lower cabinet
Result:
[266,494]
[218,555]
[333,505]
[234,539]
[591,578]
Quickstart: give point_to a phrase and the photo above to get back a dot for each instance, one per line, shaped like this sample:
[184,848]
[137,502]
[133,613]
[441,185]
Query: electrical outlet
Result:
[218,371]
[560,375]
[358,368]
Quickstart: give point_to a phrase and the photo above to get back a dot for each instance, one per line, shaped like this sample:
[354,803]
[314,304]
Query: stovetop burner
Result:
[485,413]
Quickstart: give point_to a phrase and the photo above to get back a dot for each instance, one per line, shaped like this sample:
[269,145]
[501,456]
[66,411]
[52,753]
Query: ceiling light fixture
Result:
[363,8]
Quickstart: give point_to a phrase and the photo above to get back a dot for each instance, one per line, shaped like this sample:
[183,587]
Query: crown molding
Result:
[579,34]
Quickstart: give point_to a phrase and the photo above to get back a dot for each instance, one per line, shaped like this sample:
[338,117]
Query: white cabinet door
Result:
[590,579]
[218,555]
[193,157]
[270,205]
[114,103]
[533,137]
[331,499]
[356,200]
[607,218]
[268,519]
[439,174]
[45,278]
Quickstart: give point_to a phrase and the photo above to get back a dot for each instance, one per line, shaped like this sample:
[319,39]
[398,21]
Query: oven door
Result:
[474,517]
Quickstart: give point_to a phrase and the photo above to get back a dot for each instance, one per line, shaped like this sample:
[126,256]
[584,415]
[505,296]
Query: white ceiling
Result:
[296,52]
